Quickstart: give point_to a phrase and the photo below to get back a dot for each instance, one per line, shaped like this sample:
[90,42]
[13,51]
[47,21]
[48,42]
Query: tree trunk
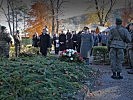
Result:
[13,22]
[53,22]
[9,19]
[98,13]
[16,21]
[53,15]
[57,24]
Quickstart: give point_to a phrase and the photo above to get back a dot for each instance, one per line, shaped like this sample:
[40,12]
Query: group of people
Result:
[6,39]
[117,40]
[82,42]
[43,41]
[72,40]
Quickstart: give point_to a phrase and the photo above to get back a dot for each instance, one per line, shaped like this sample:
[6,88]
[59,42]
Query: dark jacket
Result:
[62,40]
[35,41]
[69,42]
[44,43]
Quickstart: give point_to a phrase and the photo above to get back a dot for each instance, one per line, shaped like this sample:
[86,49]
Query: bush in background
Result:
[101,55]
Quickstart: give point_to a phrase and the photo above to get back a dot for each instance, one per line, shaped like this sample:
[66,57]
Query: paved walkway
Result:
[107,88]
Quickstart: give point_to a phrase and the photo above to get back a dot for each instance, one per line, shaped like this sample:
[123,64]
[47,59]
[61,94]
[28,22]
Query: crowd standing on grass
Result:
[117,39]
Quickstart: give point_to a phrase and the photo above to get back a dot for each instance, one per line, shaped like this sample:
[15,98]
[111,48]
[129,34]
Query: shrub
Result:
[40,78]
[101,54]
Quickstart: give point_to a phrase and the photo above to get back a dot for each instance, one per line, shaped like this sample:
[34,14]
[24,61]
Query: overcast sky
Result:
[74,8]
[78,7]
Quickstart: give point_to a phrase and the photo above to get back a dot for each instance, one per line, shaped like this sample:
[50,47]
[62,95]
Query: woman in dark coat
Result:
[35,40]
[69,42]
[79,41]
[62,41]
[44,42]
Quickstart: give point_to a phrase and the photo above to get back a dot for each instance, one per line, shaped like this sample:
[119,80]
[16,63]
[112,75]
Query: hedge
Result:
[101,55]
[42,78]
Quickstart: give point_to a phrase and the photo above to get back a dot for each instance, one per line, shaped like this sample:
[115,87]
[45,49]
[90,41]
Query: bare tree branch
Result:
[112,3]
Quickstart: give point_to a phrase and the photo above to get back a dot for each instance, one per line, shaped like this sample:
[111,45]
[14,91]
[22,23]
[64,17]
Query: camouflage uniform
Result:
[130,50]
[117,38]
[17,40]
[4,44]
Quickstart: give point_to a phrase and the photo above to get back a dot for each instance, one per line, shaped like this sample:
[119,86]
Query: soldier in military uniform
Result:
[118,36]
[87,43]
[17,40]
[5,40]
[130,48]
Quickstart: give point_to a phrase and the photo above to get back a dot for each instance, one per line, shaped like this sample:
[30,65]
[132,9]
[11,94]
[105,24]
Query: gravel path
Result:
[107,88]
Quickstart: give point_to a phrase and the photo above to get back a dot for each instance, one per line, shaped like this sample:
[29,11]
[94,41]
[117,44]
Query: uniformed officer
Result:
[130,48]
[118,36]
[87,43]
[5,40]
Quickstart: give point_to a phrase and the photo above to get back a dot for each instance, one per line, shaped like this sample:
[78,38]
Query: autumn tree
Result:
[39,17]
[103,9]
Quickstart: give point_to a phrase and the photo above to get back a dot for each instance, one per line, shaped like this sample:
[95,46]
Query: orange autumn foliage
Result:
[39,18]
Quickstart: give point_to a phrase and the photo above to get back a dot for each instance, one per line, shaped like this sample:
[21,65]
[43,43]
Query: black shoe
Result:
[130,72]
[119,76]
[114,76]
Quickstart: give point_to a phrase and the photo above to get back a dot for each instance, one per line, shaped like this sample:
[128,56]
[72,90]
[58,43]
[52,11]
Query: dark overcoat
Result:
[69,42]
[44,43]
[62,40]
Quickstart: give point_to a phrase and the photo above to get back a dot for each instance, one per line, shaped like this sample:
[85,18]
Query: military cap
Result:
[85,28]
[118,21]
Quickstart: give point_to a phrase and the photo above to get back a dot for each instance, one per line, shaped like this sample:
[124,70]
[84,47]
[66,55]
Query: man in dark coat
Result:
[44,42]
[62,41]
[79,41]
[56,43]
[69,43]
[74,40]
